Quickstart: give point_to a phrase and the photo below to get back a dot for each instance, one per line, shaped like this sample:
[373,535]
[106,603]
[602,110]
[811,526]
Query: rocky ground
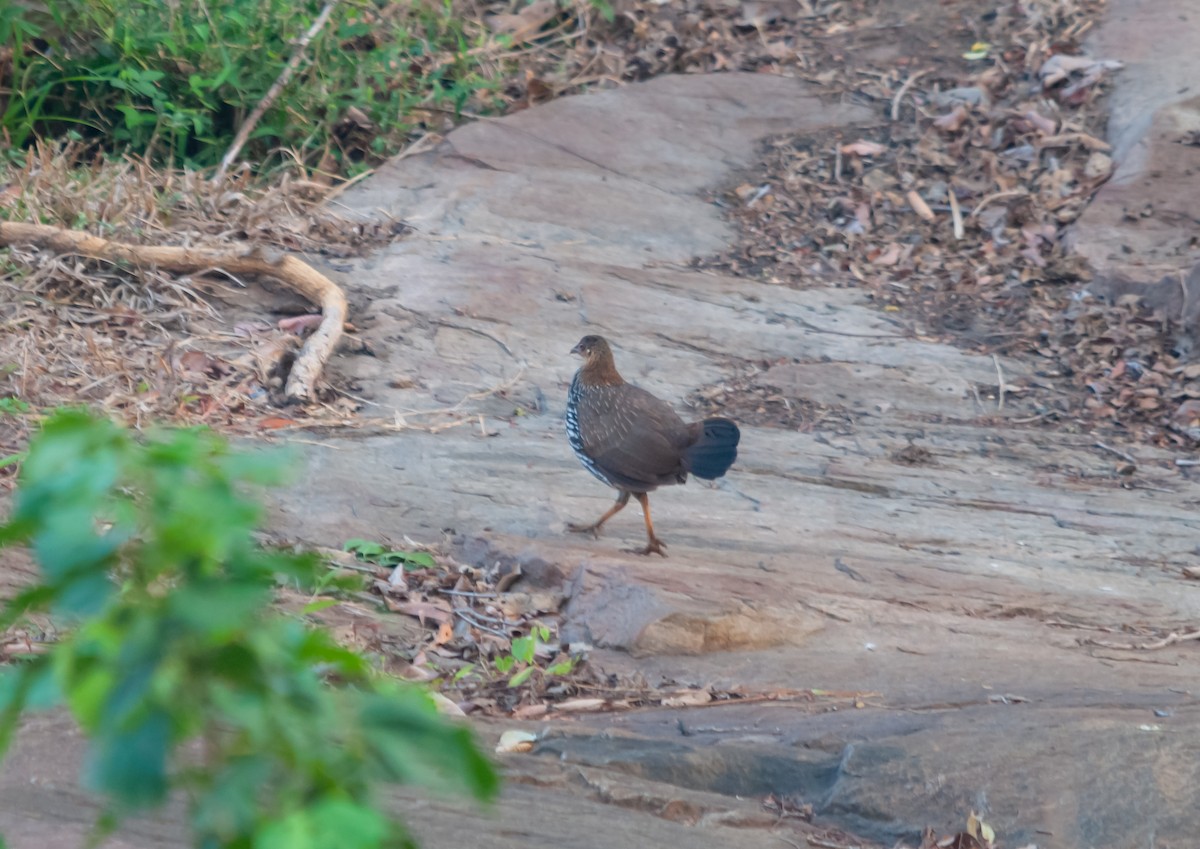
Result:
[938,581]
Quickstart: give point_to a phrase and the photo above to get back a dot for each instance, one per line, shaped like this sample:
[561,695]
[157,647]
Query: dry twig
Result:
[1169,640]
[956,216]
[1124,455]
[995,196]
[908,83]
[1000,387]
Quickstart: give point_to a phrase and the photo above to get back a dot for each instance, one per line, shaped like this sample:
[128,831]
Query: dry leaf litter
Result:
[951,212]
[464,623]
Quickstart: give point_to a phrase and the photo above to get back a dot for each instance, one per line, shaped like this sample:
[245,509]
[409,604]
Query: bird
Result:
[635,442]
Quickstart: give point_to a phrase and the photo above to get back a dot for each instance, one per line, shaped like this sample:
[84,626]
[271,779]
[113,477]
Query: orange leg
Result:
[594,528]
[654,544]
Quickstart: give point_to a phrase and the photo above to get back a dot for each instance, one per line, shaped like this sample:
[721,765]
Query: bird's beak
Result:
[577,349]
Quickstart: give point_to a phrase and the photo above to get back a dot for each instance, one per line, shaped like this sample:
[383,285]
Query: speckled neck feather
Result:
[600,369]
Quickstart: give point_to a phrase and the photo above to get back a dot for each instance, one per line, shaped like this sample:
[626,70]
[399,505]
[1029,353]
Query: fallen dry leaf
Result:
[445,633]
[580,705]
[275,423]
[200,363]
[422,610]
[1060,66]
[953,120]
[1188,413]
[1070,139]
[537,89]
[445,706]
[1041,123]
[687,698]
[862,147]
[1099,166]
[919,206]
[523,25]
[413,672]
[515,740]
[300,324]
[890,256]
[531,711]
[976,827]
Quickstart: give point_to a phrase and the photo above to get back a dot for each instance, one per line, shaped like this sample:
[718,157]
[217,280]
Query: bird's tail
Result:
[714,450]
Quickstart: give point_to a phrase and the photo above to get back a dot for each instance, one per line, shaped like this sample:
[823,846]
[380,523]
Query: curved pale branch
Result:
[291,272]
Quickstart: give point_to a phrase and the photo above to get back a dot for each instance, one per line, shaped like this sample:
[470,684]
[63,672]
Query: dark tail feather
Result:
[714,451]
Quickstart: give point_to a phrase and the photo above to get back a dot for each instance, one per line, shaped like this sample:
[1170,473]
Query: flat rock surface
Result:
[1142,223]
[41,807]
[964,595]
[961,590]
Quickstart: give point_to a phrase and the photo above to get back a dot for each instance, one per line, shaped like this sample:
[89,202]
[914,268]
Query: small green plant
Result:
[147,556]
[11,406]
[605,8]
[374,552]
[523,654]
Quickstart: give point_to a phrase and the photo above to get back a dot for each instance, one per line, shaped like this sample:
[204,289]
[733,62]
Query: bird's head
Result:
[592,348]
[598,366]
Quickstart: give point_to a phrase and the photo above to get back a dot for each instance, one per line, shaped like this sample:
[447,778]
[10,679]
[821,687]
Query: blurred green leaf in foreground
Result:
[177,668]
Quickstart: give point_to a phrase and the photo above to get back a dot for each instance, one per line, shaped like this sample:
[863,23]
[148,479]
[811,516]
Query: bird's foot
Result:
[655,546]
[593,529]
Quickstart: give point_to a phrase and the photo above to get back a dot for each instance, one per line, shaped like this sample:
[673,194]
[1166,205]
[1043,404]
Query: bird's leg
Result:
[654,544]
[594,528]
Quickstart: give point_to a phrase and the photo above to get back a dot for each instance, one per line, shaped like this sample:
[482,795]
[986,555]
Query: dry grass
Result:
[137,342]
[128,200]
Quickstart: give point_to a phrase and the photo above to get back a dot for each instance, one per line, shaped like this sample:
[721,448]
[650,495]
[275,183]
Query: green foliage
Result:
[11,406]
[176,80]
[373,552]
[522,656]
[146,549]
[605,8]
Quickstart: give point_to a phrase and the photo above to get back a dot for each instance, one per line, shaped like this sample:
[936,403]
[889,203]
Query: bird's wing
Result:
[631,435]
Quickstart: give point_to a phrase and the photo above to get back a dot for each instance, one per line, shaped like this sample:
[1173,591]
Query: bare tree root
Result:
[291,272]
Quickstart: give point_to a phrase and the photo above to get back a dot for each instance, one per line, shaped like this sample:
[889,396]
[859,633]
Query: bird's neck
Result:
[600,372]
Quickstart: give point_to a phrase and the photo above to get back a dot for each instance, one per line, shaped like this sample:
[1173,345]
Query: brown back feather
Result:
[635,438]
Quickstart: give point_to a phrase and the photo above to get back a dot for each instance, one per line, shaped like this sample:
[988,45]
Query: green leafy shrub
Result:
[176,80]
[374,552]
[523,657]
[179,672]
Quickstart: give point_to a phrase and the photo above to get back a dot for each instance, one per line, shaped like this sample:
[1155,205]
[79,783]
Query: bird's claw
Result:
[594,530]
[655,546]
